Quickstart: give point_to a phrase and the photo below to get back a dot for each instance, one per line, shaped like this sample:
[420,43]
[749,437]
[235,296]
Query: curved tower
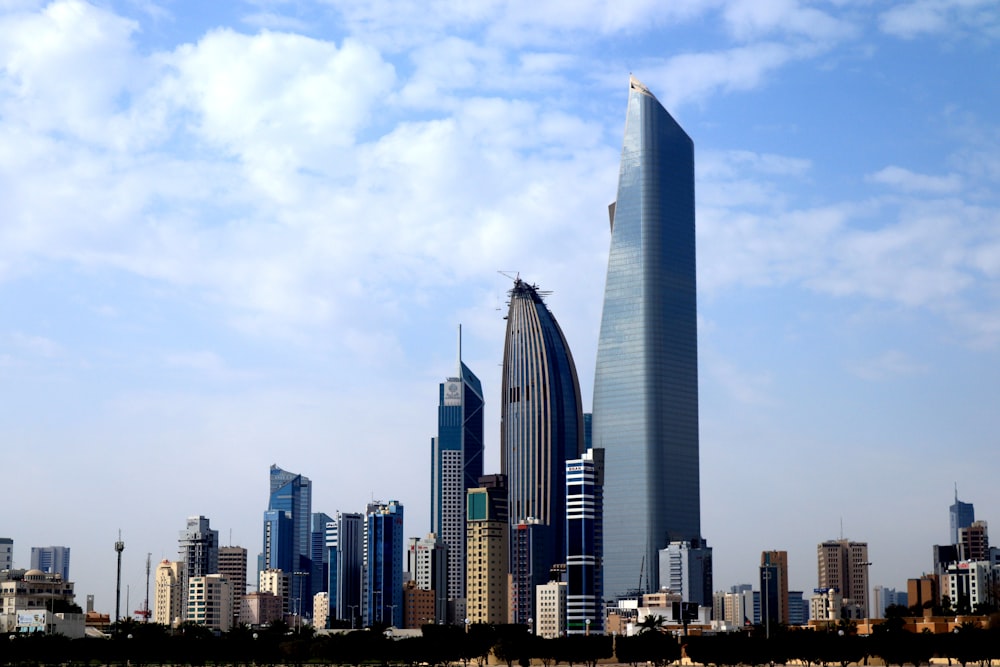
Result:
[541,428]
[646,382]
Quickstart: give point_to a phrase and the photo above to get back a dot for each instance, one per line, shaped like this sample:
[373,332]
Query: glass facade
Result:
[456,465]
[384,564]
[646,382]
[541,423]
[584,539]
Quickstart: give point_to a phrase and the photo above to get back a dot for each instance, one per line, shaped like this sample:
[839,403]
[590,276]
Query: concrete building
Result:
[198,547]
[52,560]
[170,594]
[974,542]
[774,587]
[233,566]
[27,598]
[6,553]
[210,602]
[971,585]
[487,551]
[418,606]
[427,563]
[923,593]
[843,565]
[260,609]
[826,604]
[645,402]
[321,610]
[685,567]
[550,602]
[456,466]
[277,583]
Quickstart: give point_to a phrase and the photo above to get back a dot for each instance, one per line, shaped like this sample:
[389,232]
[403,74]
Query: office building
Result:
[170,594]
[52,560]
[279,540]
[971,586]
[487,552]
[346,557]
[883,598]
[6,553]
[456,465]
[685,568]
[319,573]
[541,424]
[384,564]
[774,587]
[277,583]
[233,566]
[645,412]
[291,495]
[418,606]
[584,541]
[427,563]
[210,602]
[198,547]
[960,515]
[798,608]
[843,565]
[924,593]
[529,567]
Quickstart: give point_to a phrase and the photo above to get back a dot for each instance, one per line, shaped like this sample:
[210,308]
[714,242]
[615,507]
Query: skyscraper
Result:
[584,532]
[843,565]
[233,566]
[456,465]
[291,495]
[774,588]
[54,560]
[345,544]
[960,515]
[646,381]
[541,425]
[198,547]
[384,564]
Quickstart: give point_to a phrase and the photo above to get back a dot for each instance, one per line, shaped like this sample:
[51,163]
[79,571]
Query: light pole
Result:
[587,623]
[765,577]
[354,613]
[867,567]
[119,547]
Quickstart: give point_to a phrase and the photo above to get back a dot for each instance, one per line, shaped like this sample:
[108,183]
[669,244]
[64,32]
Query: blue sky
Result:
[237,234]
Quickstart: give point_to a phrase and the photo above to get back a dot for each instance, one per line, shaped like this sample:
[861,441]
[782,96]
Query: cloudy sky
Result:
[244,233]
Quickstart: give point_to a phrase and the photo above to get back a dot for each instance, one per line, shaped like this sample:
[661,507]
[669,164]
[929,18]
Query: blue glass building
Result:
[384,564]
[345,558]
[541,428]
[291,494]
[960,515]
[456,465]
[645,412]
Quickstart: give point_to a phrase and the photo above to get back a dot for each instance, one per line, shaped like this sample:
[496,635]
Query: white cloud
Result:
[908,181]
[923,17]
[754,18]
[891,364]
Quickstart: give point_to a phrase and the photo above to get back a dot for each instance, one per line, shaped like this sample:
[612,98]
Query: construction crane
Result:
[144,612]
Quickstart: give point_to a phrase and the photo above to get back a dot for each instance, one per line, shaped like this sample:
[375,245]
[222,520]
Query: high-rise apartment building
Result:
[198,547]
[427,563]
[646,381]
[384,564]
[541,424]
[974,542]
[774,588]
[346,556]
[170,594]
[843,565]
[233,566]
[456,465]
[487,553]
[54,560]
[960,515]
[584,541]
[550,602]
[278,584]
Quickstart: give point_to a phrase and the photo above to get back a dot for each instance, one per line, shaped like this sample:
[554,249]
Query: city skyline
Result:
[229,262]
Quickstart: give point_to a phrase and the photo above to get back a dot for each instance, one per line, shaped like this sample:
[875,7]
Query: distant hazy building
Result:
[6,553]
[198,547]
[685,567]
[883,598]
[52,560]
[798,608]
[170,594]
[943,556]
[550,602]
[584,543]
[960,515]
[456,466]
[487,552]
[843,564]
[210,602]
[260,609]
[384,564]
[774,587]
[738,606]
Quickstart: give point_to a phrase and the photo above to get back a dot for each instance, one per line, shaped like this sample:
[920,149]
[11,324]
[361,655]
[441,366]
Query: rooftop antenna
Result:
[841,527]
[460,351]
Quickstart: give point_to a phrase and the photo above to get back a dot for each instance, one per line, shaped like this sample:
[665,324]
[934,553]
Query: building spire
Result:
[459,350]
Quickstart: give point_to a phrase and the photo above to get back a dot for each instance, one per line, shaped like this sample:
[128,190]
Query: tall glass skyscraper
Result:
[960,515]
[291,497]
[384,564]
[456,465]
[646,382]
[541,427]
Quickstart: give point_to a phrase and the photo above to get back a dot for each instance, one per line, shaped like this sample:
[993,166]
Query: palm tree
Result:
[652,622]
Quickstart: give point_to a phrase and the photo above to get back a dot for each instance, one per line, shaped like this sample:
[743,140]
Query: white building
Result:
[32,596]
[170,594]
[825,604]
[970,584]
[685,568]
[321,610]
[550,609]
[210,602]
[276,583]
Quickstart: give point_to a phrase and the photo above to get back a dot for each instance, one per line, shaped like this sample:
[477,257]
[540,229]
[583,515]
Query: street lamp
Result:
[354,613]
[587,623]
